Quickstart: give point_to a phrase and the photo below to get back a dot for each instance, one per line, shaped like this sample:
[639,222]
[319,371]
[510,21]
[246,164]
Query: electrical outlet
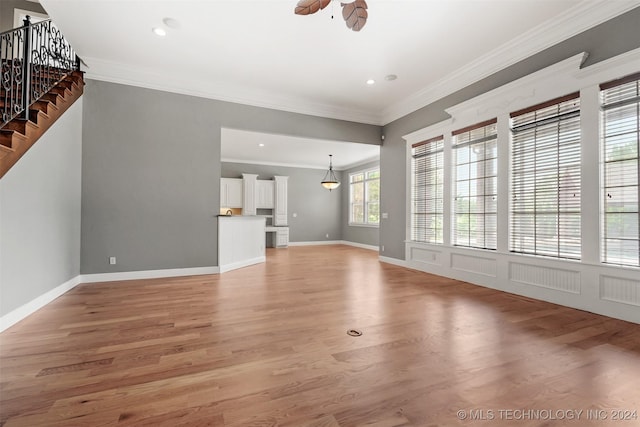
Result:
[112,260]
[327,235]
[385,215]
[382,248]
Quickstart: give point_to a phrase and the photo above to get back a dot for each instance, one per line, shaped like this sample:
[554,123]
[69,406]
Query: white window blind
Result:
[620,140]
[364,197]
[426,190]
[545,184]
[475,179]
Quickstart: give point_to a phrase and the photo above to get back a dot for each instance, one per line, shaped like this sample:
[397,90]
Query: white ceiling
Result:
[244,147]
[258,52]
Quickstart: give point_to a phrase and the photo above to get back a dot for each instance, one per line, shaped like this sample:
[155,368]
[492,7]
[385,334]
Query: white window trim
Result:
[586,284]
[363,224]
[541,86]
[603,182]
[454,185]
[564,207]
[445,139]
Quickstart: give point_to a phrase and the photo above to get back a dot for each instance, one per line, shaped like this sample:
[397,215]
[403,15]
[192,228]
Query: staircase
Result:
[31,104]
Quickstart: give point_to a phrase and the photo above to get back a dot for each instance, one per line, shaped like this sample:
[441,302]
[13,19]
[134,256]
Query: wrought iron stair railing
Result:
[34,58]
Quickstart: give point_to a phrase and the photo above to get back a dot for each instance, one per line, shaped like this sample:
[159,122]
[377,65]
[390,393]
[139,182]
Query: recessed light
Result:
[370,81]
[171,23]
[260,145]
[159,31]
[390,77]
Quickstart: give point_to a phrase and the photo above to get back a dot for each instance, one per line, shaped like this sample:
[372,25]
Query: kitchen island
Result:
[241,241]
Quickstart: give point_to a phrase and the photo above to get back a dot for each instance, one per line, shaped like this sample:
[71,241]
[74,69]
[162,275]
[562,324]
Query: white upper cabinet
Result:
[280,201]
[230,193]
[264,194]
[249,193]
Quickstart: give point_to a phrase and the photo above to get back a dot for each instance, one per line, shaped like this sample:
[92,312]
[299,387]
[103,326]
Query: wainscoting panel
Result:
[425,256]
[546,277]
[619,289]
[474,264]
[596,288]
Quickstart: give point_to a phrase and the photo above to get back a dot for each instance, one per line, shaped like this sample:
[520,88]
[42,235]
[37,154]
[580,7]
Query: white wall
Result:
[586,284]
[40,220]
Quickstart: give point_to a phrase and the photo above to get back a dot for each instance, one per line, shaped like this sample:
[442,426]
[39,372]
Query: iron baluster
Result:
[33,59]
[26,68]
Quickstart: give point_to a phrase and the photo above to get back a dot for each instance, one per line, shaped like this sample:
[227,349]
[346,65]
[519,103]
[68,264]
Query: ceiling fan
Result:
[354,13]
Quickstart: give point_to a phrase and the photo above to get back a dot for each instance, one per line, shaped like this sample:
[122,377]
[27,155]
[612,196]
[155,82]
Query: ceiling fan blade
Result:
[355,14]
[307,7]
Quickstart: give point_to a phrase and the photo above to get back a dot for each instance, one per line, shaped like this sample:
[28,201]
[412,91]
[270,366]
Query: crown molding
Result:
[611,69]
[527,90]
[360,163]
[281,164]
[113,72]
[585,15]
[301,166]
[574,21]
[440,128]
[558,79]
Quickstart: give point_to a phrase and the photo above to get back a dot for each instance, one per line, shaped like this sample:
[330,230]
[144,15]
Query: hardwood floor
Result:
[267,345]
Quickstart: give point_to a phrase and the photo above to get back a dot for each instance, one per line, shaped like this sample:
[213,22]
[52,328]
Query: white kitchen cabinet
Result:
[230,193]
[282,237]
[280,201]
[264,194]
[249,193]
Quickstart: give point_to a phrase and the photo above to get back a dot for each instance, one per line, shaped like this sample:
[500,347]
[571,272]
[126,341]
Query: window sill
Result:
[355,224]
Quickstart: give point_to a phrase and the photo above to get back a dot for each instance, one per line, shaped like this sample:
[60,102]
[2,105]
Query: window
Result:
[426,190]
[545,186]
[364,196]
[620,139]
[475,180]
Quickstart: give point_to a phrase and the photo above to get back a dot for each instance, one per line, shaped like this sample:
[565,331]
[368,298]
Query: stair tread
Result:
[43,105]
[43,113]
[37,116]
[5,151]
[10,138]
[21,125]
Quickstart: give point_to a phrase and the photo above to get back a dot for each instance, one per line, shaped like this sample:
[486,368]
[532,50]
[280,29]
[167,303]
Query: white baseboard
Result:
[240,264]
[316,243]
[334,242]
[361,245]
[394,261]
[148,274]
[32,306]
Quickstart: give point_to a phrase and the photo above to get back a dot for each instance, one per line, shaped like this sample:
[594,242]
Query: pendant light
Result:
[330,181]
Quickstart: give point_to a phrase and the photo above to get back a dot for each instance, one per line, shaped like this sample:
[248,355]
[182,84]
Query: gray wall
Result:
[40,215]
[6,11]
[318,210]
[604,41]
[151,169]
[355,233]
[149,163]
